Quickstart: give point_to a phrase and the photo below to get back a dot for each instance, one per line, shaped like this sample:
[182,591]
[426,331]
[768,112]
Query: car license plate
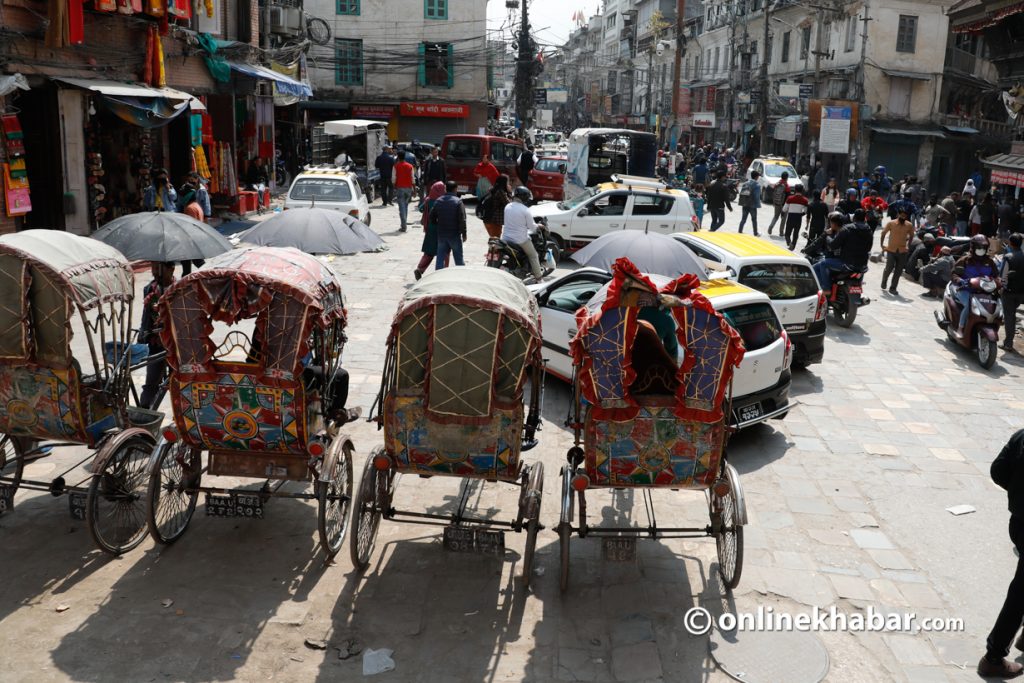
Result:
[619,549]
[76,505]
[855,289]
[467,540]
[6,499]
[234,505]
[751,412]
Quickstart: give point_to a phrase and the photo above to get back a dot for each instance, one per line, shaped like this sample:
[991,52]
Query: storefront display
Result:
[17,198]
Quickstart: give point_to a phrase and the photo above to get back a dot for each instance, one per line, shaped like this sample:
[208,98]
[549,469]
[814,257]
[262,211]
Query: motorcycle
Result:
[981,333]
[846,295]
[512,259]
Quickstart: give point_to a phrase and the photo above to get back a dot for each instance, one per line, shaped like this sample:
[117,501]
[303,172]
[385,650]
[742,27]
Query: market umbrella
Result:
[314,231]
[162,236]
[650,252]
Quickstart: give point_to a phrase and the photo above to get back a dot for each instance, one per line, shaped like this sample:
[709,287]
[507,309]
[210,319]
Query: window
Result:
[436,65]
[851,34]
[464,148]
[349,61]
[780,280]
[612,204]
[756,323]
[906,33]
[805,42]
[900,90]
[827,41]
[715,69]
[785,46]
[611,82]
[503,152]
[321,189]
[347,7]
[435,9]
[652,205]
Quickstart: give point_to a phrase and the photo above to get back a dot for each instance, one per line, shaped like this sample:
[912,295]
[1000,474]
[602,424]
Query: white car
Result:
[631,203]
[328,187]
[771,170]
[760,386]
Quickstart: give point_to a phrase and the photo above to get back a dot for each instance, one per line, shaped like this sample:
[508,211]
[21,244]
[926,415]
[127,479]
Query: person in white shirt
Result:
[516,230]
[341,161]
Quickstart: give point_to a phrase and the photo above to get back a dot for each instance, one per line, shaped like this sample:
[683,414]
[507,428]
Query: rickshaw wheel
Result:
[12,464]
[115,508]
[565,528]
[534,490]
[366,513]
[173,491]
[729,539]
[335,499]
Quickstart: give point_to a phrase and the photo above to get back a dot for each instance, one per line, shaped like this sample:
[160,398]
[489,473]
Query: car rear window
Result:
[550,165]
[776,170]
[780,280]
[464,149]
[321,189]
[756,323]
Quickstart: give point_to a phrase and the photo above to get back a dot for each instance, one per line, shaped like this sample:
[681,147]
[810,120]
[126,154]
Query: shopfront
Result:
[431,121]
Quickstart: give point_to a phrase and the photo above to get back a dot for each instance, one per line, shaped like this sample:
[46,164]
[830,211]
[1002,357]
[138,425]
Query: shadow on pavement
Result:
[855,334]
[755,447]
[968,360]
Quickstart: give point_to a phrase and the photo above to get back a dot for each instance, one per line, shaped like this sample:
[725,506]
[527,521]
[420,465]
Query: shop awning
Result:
[963,130]
[1007,169]
[122,89]
[907,74]
[918,132]
[349,127]
[285,84]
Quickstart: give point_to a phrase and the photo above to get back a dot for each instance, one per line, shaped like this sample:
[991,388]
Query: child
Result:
[697,199]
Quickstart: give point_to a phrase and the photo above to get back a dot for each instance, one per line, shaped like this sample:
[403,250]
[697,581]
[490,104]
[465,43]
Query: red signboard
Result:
[444,111]
[372,111]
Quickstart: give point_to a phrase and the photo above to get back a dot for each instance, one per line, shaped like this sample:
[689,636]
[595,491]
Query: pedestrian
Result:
[830,194]
[817,216]
[525,164]
[697,201]
[969,188]
[937,273]
[1007,472]
[402,178]
[486,174]
[935,213]
[163,277]
[433,170]
[516,228]
[257,180]
[987,216]
[700,171]
[429,246]
[1012,274]
[916,191]
[160,195]
[449,215]
[718,200]
[793,212]
[750,200]
[385,163]
[493,205]
[820,177]
[1006,216]
[964,209]
[779,194]
[900,232]
[949,220]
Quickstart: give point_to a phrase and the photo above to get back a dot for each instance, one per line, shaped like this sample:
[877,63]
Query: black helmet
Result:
[979,242]
[523,193]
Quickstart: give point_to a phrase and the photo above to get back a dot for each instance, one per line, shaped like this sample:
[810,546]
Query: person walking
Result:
[750,200]
[935,213]
[493,205]
[1012,274]
[987,216]
[449,215]
[779,194]
[429,246]
[964,209]
[402,177]
[900,232]
[433,171]
[516,229]
[525,164]
[385,163]
[830,194]
[1007,472]
[700,171]
[793,212]
[486,174]
[817,217]
[718,200]
[820,178]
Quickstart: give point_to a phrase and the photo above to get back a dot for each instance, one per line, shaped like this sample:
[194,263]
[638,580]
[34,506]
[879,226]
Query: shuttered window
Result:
[348,57]
[435,9]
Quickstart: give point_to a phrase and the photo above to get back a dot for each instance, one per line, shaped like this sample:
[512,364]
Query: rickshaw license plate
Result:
[750,412]
[76,505]
[618,549]
[234,505]
[855,289]
[6,499]
[466,540]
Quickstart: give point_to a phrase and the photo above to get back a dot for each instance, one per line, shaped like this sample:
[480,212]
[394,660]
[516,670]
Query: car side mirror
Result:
[562,169]
[583,213]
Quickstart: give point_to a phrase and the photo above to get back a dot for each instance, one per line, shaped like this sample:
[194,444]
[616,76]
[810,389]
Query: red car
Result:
[547,179]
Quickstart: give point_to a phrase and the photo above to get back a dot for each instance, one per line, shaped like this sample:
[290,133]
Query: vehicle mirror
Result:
[583,213]
[562,168]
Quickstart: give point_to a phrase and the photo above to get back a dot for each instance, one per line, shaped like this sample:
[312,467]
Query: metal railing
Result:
[993,128]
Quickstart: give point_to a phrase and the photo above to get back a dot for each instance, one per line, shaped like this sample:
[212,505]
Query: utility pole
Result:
[857,157]
[677,73]
[734,10]
[524,72]
[817,76]
[650,81]
[763,145]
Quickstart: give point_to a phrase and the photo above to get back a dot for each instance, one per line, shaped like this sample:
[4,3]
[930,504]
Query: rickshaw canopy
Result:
[43,274]
[287,291]
[464,337]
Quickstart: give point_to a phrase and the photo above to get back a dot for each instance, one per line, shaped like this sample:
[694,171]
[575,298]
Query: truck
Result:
[596,154]
[362,140]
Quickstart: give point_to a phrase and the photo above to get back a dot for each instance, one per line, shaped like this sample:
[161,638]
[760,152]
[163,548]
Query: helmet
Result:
[880,170]
[979,242]
[928,237]
[851,192]
[523,193]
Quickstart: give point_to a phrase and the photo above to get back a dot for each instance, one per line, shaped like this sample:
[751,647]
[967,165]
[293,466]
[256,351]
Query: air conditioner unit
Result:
[277,20]
[293,19]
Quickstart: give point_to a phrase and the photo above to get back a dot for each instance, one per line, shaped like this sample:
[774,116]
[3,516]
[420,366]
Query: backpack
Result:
[746,195]
[779,194]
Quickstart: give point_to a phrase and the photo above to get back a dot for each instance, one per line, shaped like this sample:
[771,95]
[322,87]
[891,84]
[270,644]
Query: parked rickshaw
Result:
[462,346]
[55,286]
[264,402]
[644,419]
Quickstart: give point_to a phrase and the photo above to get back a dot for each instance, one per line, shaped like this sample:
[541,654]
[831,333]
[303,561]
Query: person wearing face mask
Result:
[976,264]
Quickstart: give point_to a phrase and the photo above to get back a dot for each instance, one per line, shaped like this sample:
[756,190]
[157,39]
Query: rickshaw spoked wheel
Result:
[533,494]
[173,491]
[335,497]
[565,527]
[366,514]
[116,505]
[12,464]
[729,538]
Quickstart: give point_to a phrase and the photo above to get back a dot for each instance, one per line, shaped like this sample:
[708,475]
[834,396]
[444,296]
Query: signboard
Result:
[372,111]
[806,90]
[441,111]
[1006,177]
[704,119]
[709,98]
[786,129]
[558,95]
[834,136]
[789,90]
[742,98]
[540,96]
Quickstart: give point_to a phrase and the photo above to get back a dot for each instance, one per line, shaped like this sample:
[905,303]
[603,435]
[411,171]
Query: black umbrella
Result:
[162,236]
[314,231]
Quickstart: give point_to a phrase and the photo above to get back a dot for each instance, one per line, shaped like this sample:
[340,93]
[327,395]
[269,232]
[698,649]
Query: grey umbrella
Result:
[650,252]
[162,236]
[314,231]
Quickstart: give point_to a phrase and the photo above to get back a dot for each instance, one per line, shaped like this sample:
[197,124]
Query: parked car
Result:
[631,203]
[328,187]
[786,277]
[461,154]
[547,180]
[771,170]
[421,150]
[760,386]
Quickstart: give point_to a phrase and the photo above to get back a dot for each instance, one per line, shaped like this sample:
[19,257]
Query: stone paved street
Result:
[846,497]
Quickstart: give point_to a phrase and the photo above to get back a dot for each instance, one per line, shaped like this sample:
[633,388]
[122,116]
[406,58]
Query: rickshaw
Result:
[645,420]
[462,346]
[267,406]
[55,286]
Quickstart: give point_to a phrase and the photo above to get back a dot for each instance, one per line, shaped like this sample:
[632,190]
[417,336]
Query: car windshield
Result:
[321,189]
[776,170]
[552,137]
[780,280]
[756,323]
[578,199]
[550,165]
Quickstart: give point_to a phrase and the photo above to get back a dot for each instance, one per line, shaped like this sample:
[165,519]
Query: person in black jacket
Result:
[1008,472]
[848,249]
[433,171]
[1013,287]
[717,196]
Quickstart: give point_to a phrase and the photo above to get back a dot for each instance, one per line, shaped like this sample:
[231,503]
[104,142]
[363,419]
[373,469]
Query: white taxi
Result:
[771,170]
[328,187]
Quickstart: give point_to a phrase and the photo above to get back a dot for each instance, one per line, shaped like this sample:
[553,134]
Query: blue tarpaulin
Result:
[285,85]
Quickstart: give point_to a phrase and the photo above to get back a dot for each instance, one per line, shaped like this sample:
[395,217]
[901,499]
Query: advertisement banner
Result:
[442,111]
[834,136]
[704,119]
[372,111]
[558,95]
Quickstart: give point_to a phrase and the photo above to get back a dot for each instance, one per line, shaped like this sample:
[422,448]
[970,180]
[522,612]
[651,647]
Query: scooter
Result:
[981,333]
[512,259]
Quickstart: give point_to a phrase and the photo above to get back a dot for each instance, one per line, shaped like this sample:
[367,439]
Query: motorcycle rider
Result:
[849,204]
[518,223]
[976,264]
[848,250]
[874,207]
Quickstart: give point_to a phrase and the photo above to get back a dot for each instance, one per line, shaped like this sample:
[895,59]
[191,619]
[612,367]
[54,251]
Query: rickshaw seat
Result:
[655,368]
[47,403]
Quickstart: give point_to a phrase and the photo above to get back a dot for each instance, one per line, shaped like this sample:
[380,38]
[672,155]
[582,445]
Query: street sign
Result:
[806,90]
[540,96]
[755,96]
[789,90]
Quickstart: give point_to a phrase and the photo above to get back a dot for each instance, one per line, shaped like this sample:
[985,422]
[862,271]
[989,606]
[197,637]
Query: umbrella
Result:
[650,252]
[162,236]
[314,231]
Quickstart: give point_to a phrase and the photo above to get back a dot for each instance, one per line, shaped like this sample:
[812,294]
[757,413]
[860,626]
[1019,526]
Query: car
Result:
[760,385]
[421,150]
[786,277]
[629,203]
[547,179]
[328,187]
[771,170]
[461,154]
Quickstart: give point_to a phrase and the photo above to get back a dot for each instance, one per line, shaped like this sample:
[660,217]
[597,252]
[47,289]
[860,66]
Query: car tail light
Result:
[381,462]
[170,434]
[694,223]
[354,213]
[787,357]
[819,312]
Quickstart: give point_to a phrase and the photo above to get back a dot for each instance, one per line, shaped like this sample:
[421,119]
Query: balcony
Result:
[996,129]
[964,63]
